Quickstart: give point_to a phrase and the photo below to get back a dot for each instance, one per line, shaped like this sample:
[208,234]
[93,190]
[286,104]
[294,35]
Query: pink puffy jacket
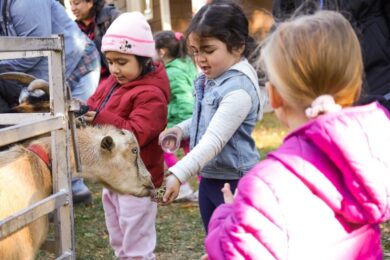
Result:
[321,195]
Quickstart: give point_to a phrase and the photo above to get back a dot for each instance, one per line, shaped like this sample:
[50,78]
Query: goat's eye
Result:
[122,132]
[134,150]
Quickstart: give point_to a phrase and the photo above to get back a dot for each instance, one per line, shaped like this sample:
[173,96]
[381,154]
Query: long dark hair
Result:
[226,21]
[96,7]
[174,42]
[146,64]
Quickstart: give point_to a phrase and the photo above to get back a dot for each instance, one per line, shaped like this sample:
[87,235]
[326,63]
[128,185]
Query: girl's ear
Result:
[161,52]
[239,51]
[275,99]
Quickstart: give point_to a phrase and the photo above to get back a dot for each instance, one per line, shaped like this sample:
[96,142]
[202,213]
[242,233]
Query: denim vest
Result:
[240,153]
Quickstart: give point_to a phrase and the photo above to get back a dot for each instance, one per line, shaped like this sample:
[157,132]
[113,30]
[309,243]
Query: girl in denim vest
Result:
[227,106]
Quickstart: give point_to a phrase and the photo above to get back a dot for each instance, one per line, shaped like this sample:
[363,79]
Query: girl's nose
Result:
[114,69]
[200,58]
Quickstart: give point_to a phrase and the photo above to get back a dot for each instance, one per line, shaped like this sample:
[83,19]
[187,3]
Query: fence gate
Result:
[27,125]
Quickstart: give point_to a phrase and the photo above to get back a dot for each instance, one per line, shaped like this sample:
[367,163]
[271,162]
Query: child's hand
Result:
[173,187]
[89,116]
[174,131]
[204,257]
[227,193]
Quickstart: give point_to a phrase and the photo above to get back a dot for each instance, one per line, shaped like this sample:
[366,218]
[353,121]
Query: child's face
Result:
[212,55]
[124,67]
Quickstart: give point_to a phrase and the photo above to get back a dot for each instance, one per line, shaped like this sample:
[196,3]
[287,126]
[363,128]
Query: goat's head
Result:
[112,157]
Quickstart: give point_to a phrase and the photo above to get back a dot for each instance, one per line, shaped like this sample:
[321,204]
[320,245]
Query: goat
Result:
[108,155]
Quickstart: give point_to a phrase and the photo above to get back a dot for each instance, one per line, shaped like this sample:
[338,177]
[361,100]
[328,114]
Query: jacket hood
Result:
[244,67]
[344,159]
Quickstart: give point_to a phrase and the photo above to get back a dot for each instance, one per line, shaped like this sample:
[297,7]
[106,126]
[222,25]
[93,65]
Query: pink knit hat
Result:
[129,33]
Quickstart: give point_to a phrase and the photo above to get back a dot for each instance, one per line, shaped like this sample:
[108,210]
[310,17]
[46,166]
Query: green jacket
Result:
[181,74]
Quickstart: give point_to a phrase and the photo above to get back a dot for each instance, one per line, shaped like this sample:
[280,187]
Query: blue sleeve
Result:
[28,18]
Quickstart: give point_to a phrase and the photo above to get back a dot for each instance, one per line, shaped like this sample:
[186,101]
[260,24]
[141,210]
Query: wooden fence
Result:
[56,122]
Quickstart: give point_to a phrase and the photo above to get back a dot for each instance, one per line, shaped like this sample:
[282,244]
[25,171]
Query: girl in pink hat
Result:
[134,97]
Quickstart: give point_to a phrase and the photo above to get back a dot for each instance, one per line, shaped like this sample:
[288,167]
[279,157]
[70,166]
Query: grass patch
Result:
[269,134]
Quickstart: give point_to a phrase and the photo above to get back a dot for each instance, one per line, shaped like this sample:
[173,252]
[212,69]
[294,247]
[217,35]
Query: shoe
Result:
[194,196]
[80,192]
[185,192]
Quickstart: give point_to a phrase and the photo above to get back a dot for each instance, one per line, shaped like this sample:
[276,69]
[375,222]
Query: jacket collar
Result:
[244,67]
[41,153]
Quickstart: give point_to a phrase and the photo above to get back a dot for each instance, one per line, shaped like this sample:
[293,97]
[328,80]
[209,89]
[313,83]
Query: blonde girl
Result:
[323,193]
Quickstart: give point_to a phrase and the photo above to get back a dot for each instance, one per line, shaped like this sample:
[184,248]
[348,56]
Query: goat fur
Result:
[108,155]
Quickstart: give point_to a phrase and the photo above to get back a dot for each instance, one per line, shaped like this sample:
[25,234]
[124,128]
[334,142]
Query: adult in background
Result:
[93,18]
[42,18]
[371,19]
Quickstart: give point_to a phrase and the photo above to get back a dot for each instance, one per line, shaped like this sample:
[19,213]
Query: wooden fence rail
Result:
[22,126]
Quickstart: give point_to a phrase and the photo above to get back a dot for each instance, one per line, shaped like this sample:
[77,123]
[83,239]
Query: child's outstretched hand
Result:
[172,190]
[204,257]
[227,193]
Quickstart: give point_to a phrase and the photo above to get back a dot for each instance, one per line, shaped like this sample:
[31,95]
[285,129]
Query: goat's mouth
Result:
[158,194]
[108,186]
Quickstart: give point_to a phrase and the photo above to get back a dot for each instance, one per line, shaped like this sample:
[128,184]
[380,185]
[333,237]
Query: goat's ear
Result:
[107,143]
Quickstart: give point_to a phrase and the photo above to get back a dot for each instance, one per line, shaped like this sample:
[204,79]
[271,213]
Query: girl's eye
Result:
[122,62]
[208,51]
[134,150]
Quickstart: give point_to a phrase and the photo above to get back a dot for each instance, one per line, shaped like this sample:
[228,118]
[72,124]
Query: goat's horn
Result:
[39,84]
[21,77]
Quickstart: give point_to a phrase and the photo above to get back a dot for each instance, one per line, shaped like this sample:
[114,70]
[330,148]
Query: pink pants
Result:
[130,223]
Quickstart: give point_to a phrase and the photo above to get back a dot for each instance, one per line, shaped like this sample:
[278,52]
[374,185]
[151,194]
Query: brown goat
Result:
[108,155]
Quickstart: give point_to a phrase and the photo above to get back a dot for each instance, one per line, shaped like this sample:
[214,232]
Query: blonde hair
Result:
[313,55]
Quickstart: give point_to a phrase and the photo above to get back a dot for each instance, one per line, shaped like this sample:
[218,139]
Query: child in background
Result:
[324,192]
[134,97]
[172,50]
[228,104]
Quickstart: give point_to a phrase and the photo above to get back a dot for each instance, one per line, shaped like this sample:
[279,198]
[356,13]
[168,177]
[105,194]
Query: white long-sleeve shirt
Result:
[232,111]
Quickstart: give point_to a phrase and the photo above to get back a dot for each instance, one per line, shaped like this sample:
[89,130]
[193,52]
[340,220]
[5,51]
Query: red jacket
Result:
[139,106]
